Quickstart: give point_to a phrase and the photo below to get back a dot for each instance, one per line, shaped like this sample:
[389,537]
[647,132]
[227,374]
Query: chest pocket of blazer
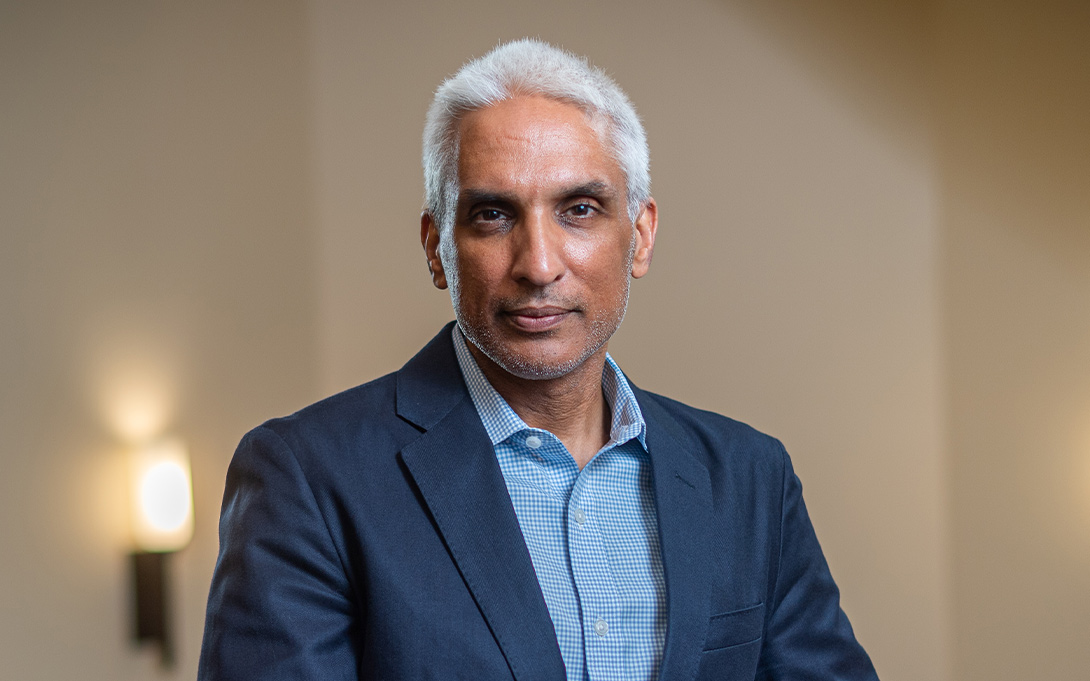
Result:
[735,628]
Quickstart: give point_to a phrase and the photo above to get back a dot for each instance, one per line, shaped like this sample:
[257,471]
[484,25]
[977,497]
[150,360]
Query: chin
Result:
[524,362]
[528,364]
[535,368]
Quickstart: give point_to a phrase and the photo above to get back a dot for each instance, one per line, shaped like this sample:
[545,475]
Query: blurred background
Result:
[874,244]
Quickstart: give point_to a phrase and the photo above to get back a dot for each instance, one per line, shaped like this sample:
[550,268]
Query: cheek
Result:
[605,262]
[474,282]
[588,252]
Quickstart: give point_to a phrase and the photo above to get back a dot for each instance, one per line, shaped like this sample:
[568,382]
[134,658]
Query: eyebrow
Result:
[471,197]
[597,189]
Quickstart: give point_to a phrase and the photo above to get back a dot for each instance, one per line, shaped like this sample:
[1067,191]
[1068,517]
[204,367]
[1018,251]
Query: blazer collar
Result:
[683,500]
[455,469]
[454,466]
[430,384]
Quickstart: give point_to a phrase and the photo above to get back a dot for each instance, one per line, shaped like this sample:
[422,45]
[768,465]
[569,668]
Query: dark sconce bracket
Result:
[151,611]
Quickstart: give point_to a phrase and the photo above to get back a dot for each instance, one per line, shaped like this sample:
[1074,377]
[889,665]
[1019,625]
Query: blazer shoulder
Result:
[341,422]
[373,421]
[716,440]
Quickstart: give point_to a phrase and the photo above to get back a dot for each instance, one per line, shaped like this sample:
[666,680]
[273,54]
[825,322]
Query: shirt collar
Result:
[501,422]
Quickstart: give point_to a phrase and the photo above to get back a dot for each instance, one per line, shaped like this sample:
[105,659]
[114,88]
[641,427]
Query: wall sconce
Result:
[162,524]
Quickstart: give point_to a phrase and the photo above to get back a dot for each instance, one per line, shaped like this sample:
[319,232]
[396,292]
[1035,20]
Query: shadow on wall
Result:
[1003,90]
[872,55]
[1015,171]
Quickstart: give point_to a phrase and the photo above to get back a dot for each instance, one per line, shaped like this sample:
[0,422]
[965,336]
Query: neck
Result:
[571,407]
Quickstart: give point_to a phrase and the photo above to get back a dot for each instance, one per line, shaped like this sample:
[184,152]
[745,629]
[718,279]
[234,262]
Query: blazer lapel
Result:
[684,505]
[455,469]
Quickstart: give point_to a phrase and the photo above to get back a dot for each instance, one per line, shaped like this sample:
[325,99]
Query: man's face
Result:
[542,244]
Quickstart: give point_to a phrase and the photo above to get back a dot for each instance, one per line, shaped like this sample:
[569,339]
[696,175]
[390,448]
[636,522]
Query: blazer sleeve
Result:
[280,605]
[808,636]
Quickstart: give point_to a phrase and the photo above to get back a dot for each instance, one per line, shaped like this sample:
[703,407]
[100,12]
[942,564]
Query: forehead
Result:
[533,142]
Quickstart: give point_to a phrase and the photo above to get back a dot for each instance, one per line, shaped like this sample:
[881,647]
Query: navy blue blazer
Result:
[370,536]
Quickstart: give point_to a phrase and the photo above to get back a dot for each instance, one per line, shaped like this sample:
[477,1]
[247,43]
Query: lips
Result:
[534,318]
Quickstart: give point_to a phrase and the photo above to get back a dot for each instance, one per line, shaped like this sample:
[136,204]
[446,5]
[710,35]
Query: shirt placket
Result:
[603,637]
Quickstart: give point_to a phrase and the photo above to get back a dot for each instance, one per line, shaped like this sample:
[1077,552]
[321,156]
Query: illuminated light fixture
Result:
[162,523]
[162,497]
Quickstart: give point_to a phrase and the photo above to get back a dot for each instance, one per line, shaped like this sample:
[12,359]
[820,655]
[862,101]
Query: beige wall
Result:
[875,245]
[156,247]
[1015,173]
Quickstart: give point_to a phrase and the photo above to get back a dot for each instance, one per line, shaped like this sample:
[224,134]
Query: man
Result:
[507,505]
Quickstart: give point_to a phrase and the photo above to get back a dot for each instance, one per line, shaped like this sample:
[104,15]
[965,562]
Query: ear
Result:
[429,239]
[647,225]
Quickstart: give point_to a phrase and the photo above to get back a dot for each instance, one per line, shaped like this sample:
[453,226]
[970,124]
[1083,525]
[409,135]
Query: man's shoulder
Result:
[702,422]
[717,441]
[361,411]
[376,418]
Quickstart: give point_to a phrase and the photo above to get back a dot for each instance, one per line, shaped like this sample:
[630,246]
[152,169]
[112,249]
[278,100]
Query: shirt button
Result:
[601,627]
[533,442]
[580,517]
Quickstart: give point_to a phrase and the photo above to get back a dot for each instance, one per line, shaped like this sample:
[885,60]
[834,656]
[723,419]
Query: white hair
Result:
[529,67]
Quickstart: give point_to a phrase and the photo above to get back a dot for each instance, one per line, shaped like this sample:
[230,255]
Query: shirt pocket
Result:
[735,628]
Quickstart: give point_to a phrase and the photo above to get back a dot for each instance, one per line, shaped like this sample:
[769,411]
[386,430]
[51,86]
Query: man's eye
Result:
[489,214]
[580,210]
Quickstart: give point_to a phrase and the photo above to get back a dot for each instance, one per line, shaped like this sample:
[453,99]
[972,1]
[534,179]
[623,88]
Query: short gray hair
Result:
[528,67]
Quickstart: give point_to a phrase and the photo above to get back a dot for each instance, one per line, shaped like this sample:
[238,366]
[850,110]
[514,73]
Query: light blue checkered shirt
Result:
[592,534]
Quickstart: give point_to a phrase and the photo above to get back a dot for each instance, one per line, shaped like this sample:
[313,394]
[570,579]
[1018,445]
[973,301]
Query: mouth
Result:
[536,319]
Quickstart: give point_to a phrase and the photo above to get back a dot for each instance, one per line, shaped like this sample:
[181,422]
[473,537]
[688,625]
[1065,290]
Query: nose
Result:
[539,250]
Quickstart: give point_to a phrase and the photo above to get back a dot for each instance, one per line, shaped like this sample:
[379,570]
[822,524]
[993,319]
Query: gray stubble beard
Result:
[602,328]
